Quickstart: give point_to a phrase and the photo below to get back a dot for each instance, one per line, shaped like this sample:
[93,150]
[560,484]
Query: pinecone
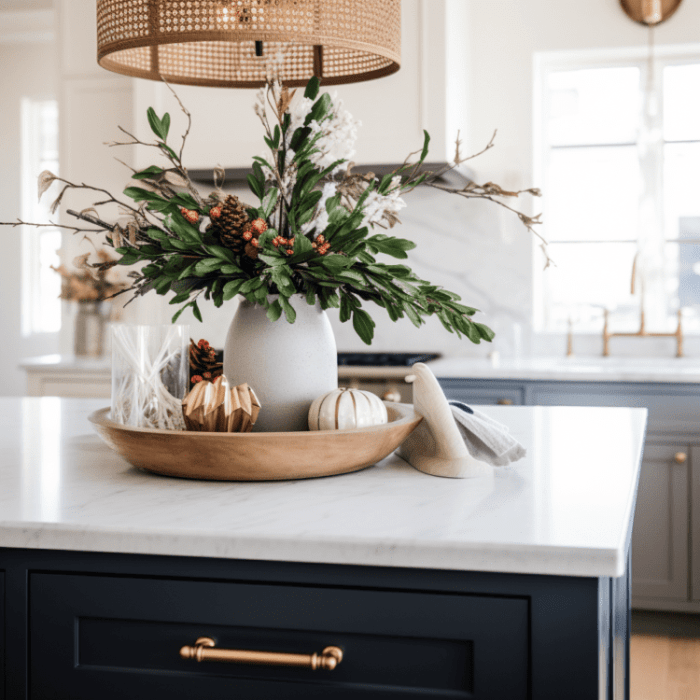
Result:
[203,363]
[229,225]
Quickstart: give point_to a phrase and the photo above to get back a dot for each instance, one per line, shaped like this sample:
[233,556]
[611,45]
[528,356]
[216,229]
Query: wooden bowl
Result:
[257,456]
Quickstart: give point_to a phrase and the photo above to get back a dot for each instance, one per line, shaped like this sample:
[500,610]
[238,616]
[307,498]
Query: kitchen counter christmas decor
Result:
[309,237]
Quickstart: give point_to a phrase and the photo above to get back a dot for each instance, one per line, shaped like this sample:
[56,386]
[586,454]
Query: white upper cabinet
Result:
[394,110]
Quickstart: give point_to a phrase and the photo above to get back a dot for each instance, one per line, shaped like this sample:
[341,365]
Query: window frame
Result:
[546,63]
[31,294]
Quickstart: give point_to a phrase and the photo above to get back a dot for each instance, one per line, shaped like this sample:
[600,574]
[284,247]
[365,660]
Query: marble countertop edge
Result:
[496,557]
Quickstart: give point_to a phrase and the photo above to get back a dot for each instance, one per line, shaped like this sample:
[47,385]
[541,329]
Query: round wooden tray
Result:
[257,456]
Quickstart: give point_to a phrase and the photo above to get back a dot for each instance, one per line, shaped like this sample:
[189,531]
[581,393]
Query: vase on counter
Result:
[150,370]
[287,364]
[89,329]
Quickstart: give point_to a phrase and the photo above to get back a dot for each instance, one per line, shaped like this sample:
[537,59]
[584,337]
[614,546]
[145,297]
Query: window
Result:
[619,148]
[41,286]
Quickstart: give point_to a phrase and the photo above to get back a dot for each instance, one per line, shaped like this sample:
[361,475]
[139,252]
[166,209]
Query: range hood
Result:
[236,177]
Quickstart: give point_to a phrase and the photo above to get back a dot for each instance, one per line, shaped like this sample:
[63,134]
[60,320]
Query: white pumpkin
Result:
[345,409]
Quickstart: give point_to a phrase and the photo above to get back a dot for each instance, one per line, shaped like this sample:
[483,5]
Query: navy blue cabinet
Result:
[90,625]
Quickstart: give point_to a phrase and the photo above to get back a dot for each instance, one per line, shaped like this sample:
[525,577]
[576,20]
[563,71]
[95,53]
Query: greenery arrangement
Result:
[311,232]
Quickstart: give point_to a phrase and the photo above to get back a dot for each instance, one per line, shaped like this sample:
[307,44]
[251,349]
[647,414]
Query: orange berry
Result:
[247,236]
[255,242]
[259,226]
[196,379]
[189,214]
[215,212]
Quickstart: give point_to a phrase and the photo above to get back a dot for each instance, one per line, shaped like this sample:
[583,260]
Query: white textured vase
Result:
[288,365]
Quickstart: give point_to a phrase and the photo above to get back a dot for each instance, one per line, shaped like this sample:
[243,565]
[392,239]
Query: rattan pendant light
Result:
[238,43]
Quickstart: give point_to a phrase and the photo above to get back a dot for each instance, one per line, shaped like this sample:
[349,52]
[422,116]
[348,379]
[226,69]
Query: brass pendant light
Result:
[238,43]
[650,12]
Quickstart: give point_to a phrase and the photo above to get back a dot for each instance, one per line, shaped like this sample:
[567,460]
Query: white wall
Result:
[37,79]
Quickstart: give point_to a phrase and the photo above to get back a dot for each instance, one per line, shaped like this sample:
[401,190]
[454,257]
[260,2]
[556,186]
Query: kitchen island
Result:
[511,586]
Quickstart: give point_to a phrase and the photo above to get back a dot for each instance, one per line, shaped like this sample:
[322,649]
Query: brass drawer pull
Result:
[505,402]
[680,457]
[204,649]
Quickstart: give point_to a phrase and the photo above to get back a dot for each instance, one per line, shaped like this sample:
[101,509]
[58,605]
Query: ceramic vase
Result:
[287,364]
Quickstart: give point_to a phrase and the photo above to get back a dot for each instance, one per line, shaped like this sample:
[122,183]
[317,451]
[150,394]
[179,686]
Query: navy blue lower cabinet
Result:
[112,626]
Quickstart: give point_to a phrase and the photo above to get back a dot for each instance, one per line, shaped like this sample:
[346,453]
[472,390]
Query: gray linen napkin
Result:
[486,439]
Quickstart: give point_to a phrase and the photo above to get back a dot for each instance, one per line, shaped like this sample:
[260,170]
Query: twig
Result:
[75,229]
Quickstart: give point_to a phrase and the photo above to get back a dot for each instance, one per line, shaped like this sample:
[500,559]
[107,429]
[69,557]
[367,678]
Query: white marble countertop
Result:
[565,509]
[587,369]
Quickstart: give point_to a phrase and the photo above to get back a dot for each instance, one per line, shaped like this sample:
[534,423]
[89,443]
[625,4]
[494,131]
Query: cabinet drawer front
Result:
[109,637]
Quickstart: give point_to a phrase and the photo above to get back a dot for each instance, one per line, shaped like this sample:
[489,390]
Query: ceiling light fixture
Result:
[240,43]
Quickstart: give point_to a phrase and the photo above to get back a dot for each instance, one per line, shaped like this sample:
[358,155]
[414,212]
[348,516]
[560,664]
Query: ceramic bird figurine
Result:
[436,446]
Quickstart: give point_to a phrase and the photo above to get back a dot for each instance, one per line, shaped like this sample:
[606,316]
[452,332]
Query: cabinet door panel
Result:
[661,525]
[694,457]
[99,636]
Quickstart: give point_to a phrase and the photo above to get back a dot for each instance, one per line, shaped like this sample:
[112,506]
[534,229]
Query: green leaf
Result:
[312,88]
[255,187]
[412,315]
[320,109]
[165,126]
[274,311]
[273,260]
[250,285]
[179,298]
[169,151]
[426,141]
[232,288]
[139,194]
[269,202]
[289,313]
[363,325]
[148,173]
[345,308]
[485,332]
[196,312]
[282,279]
[224,254]
[230,270]
[207,265]
[154,122]
[178,313]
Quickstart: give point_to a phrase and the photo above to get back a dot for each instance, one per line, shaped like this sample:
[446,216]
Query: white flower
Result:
[383,208]
[298,112]
[338,136]
[320,220]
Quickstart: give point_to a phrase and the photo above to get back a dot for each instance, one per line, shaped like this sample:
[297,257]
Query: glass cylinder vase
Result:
[150,368]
